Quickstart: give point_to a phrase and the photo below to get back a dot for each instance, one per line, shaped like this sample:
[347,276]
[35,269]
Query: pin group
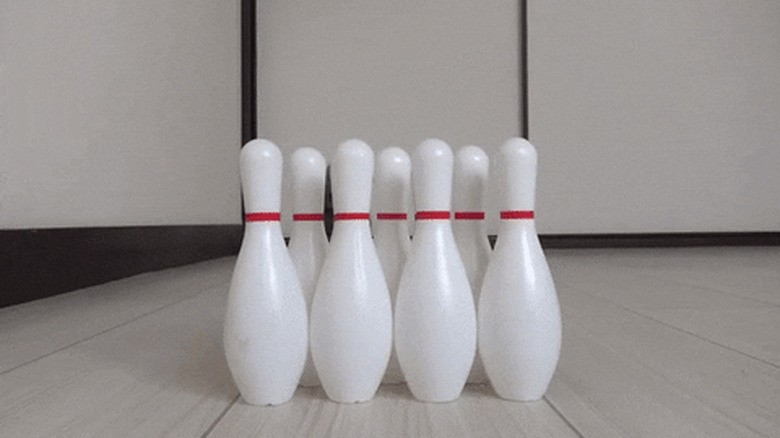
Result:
[435,312]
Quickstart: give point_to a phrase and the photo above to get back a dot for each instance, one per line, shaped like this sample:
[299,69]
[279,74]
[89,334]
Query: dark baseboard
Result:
[38,263]
[654,240]
[659,240]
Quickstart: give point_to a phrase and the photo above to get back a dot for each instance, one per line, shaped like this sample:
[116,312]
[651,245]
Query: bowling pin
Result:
[308,241]
[519,315]
[435,320]
[391,231]
[351,316]
[265,324]
[470,183]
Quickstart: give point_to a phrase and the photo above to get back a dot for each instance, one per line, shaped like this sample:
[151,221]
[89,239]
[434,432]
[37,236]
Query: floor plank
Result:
[161,374]
[657,342]
[32,330]
[638,291]
[730,383]
[756,284]
[605,392]
[738,320]
[750,273]
[754,332]
[393,412]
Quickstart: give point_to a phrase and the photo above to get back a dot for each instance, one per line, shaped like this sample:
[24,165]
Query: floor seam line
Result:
[709,289]
[219,418]
[704,339]
[563,417]
[665,324]
[673,384]
[88,338]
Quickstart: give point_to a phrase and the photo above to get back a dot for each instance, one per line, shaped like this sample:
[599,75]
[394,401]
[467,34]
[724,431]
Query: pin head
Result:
[308,174]
[432,175]
[261,176]
[351,174]
[516,169]
[393,179]
[470,179]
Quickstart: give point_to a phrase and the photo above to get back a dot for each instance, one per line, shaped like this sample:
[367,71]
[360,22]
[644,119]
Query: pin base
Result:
[281,397]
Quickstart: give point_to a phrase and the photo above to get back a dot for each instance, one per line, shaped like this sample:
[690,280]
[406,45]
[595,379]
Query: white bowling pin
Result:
[392,189]
[519,316]
[469,184]
[435,320]
[308,241]
[265,333]
[351,316]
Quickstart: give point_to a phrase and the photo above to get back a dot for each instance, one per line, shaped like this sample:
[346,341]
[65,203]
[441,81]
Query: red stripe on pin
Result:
[351,216]
[517,214]
[470,215]
[265,216]
[391,216]
[433,214]
[308,217]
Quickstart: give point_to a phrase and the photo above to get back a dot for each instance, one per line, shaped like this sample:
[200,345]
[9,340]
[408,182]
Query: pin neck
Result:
[432,215]
[470,215]
[351,216]
[391,216]
[308,217]
[517,214]
[264,216]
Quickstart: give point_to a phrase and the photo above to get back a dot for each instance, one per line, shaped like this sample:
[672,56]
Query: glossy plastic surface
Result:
[435,324]
[351,315]
[308,242]
[392,192]
[469,185]
[519,314]
[265,332]
[433,179]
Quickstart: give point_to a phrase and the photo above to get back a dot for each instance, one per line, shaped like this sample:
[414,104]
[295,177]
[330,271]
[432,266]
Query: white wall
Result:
[656,116]
[388,72]
[648,117]
[119,113]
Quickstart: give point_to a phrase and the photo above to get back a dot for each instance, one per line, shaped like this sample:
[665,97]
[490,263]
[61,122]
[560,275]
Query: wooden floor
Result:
[656,343]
